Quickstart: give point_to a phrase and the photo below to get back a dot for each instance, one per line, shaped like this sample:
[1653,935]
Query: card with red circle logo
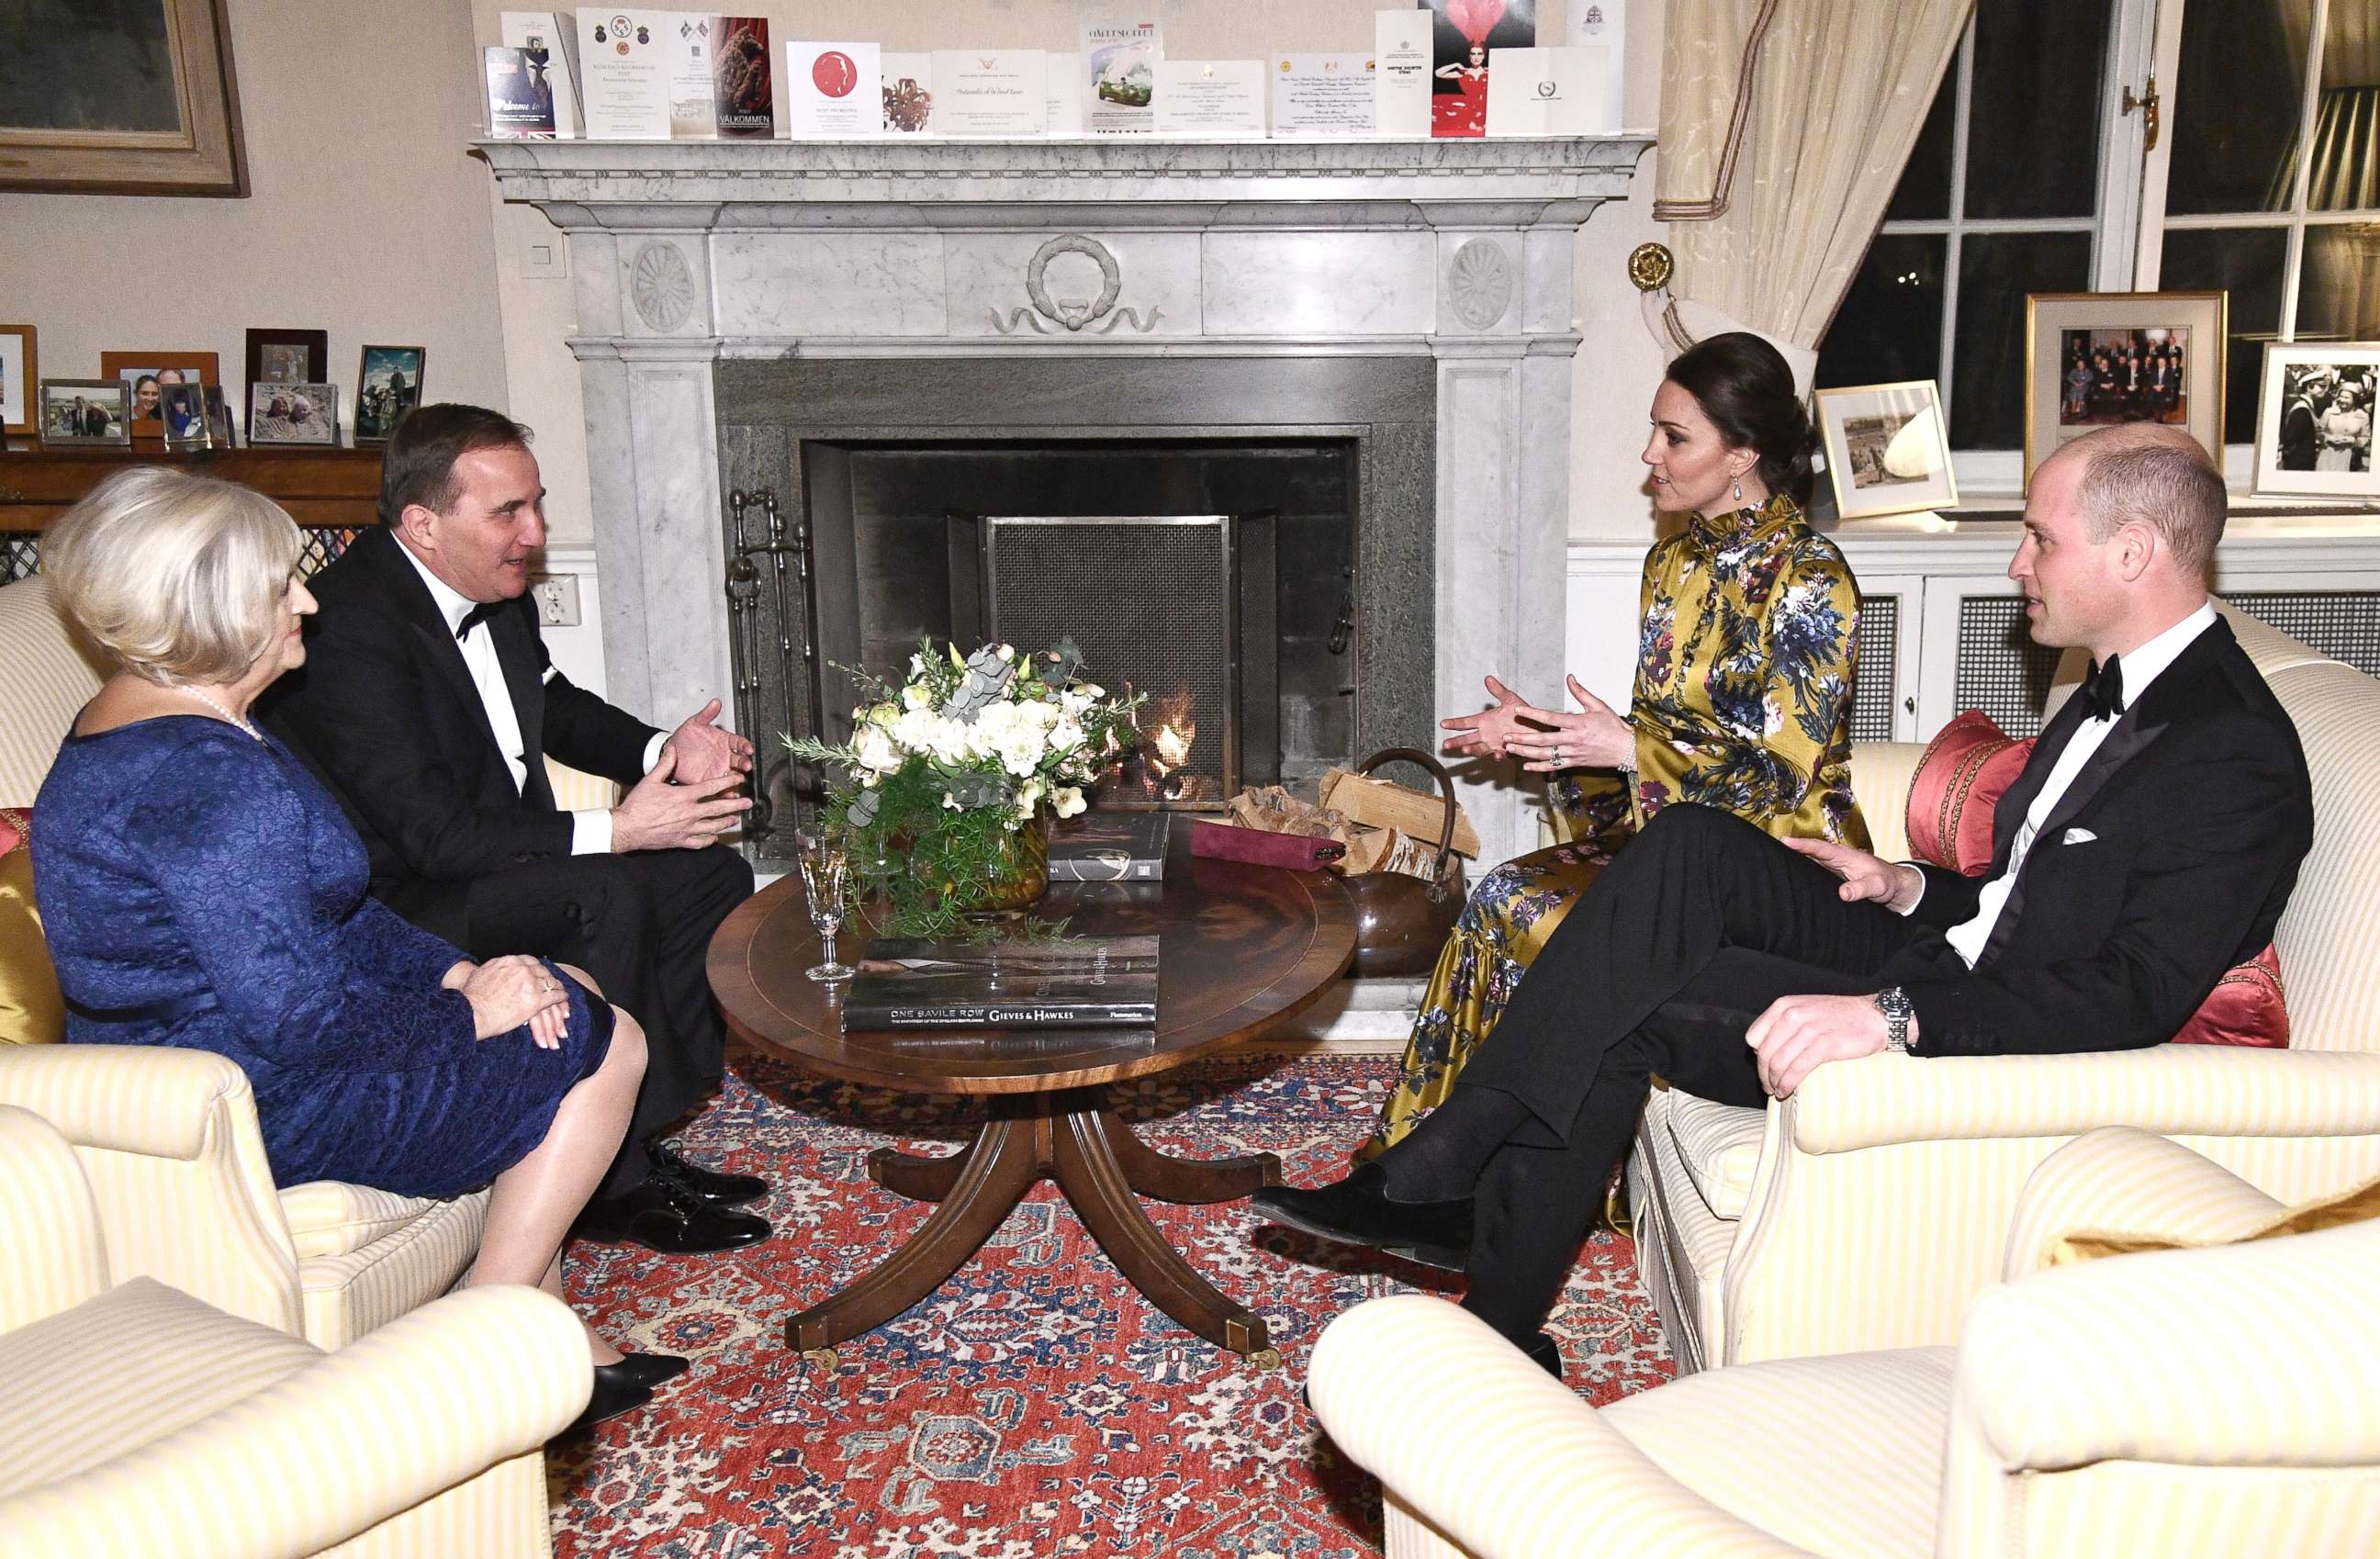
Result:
[833,90]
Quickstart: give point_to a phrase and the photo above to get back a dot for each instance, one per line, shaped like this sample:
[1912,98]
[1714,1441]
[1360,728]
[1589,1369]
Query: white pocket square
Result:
[2077,836]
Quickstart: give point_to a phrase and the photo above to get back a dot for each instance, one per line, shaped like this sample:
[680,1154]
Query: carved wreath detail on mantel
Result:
[662,285]
[1480,283]
[1098,315]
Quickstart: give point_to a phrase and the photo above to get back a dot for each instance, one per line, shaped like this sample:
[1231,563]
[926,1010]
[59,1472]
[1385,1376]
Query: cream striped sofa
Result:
[169,1138]
[1865,1212]
[137,1421]
[2182,1404]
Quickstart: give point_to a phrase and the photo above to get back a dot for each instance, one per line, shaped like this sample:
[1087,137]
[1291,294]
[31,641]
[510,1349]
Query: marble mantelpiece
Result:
[687,253]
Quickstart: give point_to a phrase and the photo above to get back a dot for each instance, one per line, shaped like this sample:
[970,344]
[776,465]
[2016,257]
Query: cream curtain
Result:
[1784,125]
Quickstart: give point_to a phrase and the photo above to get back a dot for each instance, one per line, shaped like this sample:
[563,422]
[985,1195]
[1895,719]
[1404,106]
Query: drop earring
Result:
[1738,489]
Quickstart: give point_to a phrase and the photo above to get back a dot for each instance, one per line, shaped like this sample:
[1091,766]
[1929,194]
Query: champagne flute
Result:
[826,876]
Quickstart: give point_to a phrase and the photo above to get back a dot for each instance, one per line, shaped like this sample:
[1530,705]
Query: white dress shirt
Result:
[591,831]
[2135,672]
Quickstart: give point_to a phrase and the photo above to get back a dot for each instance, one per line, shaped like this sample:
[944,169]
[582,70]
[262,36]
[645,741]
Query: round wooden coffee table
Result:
[1242,948]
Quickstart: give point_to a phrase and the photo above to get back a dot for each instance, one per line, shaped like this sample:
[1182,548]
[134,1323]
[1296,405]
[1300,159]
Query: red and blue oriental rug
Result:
[1037,1405]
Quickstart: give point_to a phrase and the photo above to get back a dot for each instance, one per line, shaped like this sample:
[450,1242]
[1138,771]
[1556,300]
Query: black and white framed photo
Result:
[20,379]
[85,411]
[182,414]
[1888,449]
[388,384]
[293,414]
[2099,359]
[287,356]
[2313,420]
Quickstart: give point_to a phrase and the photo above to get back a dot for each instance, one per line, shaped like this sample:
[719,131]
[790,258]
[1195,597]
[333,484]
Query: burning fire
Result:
[1168,731]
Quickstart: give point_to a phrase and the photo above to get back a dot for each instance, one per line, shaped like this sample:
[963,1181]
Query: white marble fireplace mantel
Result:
[683,253]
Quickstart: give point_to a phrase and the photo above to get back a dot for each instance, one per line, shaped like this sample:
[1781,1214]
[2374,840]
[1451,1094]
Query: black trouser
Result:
[641,925]
[1686,937]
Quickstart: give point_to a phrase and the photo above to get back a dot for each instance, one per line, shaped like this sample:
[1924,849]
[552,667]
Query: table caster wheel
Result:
[822,1358]
[1266,1358]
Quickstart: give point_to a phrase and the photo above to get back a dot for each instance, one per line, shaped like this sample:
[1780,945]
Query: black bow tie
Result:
[2103,690]
[477,615]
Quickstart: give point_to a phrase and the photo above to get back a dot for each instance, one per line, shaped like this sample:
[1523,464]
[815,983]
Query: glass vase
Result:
[1016,877]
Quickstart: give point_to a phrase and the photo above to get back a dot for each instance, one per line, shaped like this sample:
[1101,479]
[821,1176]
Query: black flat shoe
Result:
[1357,1211]
[664,1215]
[714,1186]
[649,1369]
[618,1391]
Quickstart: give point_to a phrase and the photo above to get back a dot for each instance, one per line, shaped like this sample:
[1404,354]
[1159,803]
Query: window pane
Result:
[2033,123]
[1995,269]
[1924,193]
[2346,174]
[2245,262]
[2338,290]
[2234,115]
[1890,327]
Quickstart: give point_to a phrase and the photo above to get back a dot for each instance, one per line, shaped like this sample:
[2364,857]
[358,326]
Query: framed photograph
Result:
[182,414]
[2096,359]
[84,411]
[293,414]
[388,384]
[20,379]
[132,98]
[2314,419]
[1888,449]
[148,375]
[219,417]
[288,357]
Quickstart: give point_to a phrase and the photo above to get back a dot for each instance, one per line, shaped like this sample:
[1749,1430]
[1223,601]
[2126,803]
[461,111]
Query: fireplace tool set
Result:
[751,566]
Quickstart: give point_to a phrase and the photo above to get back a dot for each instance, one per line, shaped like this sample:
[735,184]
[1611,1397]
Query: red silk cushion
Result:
[1958,783]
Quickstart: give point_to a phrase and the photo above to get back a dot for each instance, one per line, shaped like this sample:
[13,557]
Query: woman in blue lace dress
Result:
[200,889]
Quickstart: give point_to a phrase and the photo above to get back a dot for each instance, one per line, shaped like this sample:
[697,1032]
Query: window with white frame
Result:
[2034,173]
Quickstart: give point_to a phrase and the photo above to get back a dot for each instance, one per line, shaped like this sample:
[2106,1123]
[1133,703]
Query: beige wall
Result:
[367,217]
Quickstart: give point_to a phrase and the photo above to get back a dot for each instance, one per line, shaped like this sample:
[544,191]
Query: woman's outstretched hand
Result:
[1550,739]
[1487,734]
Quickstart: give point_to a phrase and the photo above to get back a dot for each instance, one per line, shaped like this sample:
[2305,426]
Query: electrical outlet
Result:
[557,599]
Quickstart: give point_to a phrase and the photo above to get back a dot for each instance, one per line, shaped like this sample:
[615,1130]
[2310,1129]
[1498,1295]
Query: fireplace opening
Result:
[1216,577]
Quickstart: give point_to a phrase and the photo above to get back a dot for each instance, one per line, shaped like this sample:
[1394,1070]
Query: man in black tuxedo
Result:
[2150,843]
[429,706]
[2298,442]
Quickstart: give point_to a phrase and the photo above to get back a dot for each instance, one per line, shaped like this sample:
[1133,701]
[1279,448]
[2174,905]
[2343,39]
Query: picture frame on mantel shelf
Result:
[287,357]
[84,411]
[1888,450]
[2102,360]
[167,368]
[133,98]
[20,379]
[2314,418]
[388,385]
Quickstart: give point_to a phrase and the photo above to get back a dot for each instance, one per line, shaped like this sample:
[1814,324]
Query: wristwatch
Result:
[1894,1003]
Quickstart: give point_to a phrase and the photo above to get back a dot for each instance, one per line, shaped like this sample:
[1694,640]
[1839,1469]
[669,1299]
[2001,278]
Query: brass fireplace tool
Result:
[750,562]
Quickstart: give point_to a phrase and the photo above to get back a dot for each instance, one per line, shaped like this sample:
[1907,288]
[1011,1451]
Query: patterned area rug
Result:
[1036,1404]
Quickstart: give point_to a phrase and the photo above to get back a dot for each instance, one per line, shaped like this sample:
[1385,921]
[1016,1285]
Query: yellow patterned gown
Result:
[1743,700]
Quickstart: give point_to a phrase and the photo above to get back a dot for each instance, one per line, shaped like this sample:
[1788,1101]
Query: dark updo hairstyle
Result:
[1744,388]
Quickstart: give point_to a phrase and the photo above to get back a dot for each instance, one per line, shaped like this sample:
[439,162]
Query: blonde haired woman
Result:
[200,889]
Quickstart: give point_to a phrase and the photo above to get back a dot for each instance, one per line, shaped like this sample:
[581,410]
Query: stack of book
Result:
[1110,847]
[1037,981]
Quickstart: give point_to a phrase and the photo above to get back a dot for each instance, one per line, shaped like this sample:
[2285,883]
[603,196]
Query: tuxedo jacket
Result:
[2168,859]
[386,714]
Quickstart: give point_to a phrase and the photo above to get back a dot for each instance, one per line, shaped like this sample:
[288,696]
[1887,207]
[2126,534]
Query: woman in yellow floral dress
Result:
[1743,696]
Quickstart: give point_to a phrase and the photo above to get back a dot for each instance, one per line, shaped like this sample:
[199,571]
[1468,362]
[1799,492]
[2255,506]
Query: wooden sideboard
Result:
[338,488]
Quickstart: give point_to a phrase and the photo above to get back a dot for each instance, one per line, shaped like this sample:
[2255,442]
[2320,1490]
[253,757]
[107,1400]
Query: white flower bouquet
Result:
[943,791]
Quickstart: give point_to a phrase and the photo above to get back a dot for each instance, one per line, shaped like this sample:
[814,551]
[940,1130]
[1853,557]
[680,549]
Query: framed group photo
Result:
[85,411]
[1888,449]
[2313,420]
[2100,359]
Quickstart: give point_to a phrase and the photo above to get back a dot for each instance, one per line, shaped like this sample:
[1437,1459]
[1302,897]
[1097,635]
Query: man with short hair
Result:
[2149,844]
[428,704]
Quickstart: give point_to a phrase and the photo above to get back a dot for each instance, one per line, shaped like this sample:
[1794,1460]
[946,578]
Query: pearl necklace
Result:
[226,714]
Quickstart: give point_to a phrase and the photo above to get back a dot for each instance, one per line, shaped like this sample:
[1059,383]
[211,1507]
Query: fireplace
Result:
[765,318]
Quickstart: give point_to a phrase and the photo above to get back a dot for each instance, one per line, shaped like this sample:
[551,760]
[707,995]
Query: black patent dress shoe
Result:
[649,1369]
[714,1186]
[664,1215]
[1357,1211]
[618,1391]
[1540,1348]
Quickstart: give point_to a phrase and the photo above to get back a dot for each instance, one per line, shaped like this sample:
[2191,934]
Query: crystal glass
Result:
[826,876]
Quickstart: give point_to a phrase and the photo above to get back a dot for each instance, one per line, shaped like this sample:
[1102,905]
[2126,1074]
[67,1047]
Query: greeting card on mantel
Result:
[1322,95]
[1066,84]
[626,68]
[551,34]
[909,94]
[1552,93]
[1401,63]
[1604,24]
[1001,93]
[835,90]
[1211,99]
[1120,77]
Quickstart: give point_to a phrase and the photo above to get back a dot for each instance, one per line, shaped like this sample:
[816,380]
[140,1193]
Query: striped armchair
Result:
[1868,1210]
[137,1421]
[2189,1404]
